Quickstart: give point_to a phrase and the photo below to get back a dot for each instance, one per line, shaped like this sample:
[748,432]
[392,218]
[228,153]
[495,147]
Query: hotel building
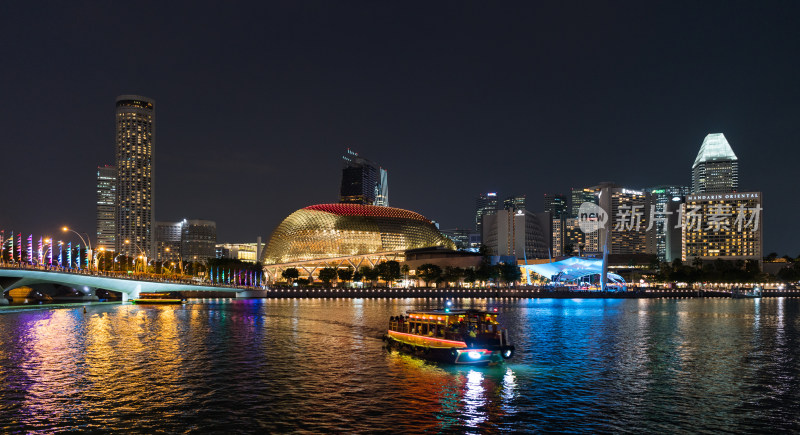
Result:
[135,125]
[727,226]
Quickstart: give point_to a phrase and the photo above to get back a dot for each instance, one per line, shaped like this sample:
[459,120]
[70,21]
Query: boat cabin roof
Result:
[450,313]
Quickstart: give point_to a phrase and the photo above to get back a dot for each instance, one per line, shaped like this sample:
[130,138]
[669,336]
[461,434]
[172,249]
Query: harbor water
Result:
[319,365]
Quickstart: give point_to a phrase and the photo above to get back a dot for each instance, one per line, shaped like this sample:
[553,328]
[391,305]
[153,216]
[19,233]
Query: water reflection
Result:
[319,366]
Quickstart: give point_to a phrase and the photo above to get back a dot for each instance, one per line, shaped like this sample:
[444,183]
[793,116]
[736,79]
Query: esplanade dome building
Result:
[347,235]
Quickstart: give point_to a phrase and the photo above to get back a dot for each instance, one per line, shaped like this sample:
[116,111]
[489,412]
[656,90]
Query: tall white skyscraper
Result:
[716,168]
[136,136]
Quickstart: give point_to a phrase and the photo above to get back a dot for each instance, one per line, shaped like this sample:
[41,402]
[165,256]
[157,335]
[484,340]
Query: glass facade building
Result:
[168,241]
[363,182]
[106,208]
[664,201]
[716,168]
[556,205]
[198,240]
[343,230]
[485,204]
[136,134]
[578,197]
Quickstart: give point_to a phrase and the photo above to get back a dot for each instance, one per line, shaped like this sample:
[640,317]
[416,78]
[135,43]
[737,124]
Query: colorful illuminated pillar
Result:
[60,254]
[69,255]
[30,249]
[40,252]
[78,255]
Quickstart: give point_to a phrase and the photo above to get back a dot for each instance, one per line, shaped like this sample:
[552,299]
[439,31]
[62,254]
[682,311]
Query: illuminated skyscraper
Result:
[514,203]
[363,182]
[716,168]
[136,134]
[578,197]
[168,241]
[628,218]
[556,205]
[198,240]
[106,207]
[485,204]
[665,237]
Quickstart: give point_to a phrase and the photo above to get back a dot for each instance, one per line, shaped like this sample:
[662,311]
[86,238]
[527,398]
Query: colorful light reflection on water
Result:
[318,365]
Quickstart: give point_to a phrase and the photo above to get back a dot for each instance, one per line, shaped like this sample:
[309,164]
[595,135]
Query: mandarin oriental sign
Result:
[724,196]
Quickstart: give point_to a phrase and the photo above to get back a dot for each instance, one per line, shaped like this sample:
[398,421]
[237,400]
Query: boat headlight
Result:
[474,354]
[507,353]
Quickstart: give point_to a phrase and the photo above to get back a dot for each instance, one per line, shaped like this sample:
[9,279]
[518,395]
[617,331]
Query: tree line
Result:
[391,271]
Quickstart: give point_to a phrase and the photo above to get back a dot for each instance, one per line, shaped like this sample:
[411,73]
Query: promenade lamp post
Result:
[86,242]
[116,261]
[180,261]
[142,255]
[47,249]
[102,250]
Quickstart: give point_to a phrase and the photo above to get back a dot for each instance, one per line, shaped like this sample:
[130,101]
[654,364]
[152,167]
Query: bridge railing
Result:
[133,276]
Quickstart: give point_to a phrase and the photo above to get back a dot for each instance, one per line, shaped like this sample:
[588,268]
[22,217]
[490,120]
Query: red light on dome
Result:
[367,210]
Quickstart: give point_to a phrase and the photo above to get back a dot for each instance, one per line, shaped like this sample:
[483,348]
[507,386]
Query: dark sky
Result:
[255,103]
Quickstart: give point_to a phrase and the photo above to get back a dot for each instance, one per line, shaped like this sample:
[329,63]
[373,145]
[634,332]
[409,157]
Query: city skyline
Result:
[444,135]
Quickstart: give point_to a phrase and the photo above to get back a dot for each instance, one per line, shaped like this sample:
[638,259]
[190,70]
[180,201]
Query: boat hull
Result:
[157,301]
[458,354]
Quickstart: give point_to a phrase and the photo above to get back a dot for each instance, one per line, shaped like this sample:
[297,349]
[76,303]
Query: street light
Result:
[180,260]
[116,261]
[87,242]
[102,250]
[141,252]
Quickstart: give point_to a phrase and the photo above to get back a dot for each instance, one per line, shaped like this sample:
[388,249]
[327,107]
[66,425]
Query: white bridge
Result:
[87,284]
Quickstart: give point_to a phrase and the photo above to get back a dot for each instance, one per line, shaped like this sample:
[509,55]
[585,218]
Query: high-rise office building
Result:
[727,226]
[556,204]
[465,239]
[664,237]
[136,136]
[520,233]
[485,204]
[716,168]
[514,203]
[106,208]
[363,182]
[628,219]
[168,241]
[578,197]
[198,240]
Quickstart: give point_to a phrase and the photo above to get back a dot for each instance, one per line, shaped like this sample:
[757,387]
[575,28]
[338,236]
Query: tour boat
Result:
[158,298]
[738,293]
[470,337]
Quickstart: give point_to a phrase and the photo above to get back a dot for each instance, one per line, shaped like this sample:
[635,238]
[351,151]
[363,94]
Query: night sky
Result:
[255,103]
